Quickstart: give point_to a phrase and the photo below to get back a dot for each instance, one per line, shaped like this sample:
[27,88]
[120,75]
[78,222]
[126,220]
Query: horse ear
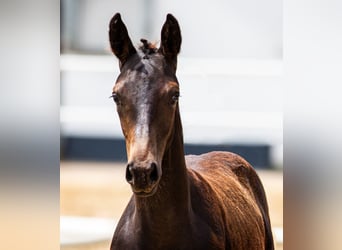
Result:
[120,42]
[171,39]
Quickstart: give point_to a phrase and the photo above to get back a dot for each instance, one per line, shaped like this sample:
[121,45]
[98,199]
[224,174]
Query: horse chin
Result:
[147,192]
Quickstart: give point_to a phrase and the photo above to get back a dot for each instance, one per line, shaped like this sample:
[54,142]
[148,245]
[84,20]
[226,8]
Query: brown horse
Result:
[210,201]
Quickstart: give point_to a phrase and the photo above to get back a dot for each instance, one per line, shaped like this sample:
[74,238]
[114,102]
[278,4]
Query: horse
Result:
[210,201]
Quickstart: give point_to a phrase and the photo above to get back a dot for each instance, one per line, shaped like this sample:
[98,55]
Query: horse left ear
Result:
[171,39]
[120,42]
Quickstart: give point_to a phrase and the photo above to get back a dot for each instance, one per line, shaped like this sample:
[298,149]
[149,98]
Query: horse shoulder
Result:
[230,188]
[207,222]
[223,166]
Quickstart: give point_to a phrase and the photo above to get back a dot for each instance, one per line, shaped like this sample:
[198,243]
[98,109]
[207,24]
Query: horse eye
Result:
[175,97]
[115,97]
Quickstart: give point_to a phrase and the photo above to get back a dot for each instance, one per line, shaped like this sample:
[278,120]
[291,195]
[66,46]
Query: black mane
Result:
[147,48]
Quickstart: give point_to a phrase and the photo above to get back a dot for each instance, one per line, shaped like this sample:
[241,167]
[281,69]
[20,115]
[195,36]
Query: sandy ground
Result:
[100,190]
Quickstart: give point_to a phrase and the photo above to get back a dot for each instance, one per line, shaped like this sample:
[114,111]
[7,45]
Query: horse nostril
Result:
[129,173]
[154,172]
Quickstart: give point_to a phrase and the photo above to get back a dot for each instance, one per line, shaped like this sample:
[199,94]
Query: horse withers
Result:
[210,201]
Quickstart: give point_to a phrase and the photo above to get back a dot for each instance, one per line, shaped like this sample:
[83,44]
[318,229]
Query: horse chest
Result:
[187,236]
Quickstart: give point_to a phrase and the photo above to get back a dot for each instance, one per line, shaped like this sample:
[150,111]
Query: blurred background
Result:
[230,73]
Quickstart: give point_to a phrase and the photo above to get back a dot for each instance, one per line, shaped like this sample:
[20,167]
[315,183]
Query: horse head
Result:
[146,94]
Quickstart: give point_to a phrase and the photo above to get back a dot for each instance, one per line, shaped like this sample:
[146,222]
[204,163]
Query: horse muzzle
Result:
[143,177]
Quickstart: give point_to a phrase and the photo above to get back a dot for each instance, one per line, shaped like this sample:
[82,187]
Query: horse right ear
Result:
[171,39]
[120,42]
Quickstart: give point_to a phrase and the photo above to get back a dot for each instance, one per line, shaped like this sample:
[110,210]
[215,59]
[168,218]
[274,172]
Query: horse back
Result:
[227,194]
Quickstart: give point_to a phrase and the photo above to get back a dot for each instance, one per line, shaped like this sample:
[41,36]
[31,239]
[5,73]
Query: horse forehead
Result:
[140,81]
[144,76]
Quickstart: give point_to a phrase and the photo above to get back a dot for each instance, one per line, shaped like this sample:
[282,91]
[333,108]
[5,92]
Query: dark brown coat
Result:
[211,201]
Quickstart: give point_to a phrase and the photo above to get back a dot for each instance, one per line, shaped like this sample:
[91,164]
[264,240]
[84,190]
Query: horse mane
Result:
[147,48]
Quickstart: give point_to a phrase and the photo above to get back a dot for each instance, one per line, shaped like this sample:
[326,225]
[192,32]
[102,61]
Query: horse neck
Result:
[171,202]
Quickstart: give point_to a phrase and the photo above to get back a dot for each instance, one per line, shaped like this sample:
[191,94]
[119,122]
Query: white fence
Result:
[222,101]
